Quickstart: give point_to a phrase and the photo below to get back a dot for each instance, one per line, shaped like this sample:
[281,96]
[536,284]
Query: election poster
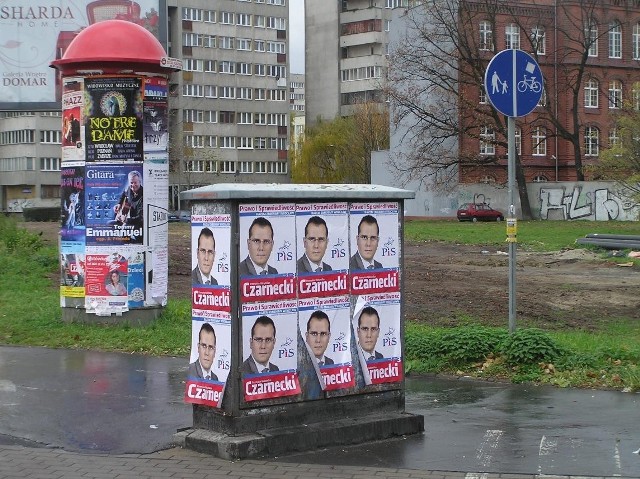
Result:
[323,249]
[115,204]
[326,328]
[267,252]
[211,247]
[72,123]
[210,360]
[156,117]
[107,278]
[113,117]
[269,339]
[375,248]
[72,199]
[376,322]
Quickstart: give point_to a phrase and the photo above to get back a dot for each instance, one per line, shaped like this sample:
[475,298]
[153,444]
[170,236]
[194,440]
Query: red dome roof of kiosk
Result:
[113,42]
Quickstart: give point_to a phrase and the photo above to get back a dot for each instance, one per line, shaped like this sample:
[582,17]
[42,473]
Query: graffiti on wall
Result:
[18,205]
[572,203]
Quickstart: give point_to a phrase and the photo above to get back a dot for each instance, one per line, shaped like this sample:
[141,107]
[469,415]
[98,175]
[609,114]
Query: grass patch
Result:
[532,235]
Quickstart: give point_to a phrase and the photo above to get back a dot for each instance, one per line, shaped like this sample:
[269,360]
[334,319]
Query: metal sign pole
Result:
[511,221]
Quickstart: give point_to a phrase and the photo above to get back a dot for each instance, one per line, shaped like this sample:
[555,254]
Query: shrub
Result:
[469,344]
[528,346]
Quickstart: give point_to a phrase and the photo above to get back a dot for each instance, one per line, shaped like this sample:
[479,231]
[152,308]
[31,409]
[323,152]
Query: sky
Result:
[296,36]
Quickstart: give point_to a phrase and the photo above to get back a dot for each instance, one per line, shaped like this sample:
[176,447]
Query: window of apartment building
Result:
[211,116]
[244,44]
[227,18]
[196,166]
[227,166]
[226,66]
[277,23]
[278,95]
[487,138]
[193,14]
[194,141]
[209,16]
[276,71]
[614,137]
[191,89]
[512,36]
[245,118]
[538,40]
[615,40]
[245,143]
[387,25]
[276,47]
[211,91]
[227,92]
[245,166]
[259,20]
[482,94]
[260,143]
[43,113]
[635,41]
[279,119]
[591,93]
[260,118]
[50,164]
[243,19]
[276,2]
[260,167]
[210,66]
[227,142]
[191,40]
[260,94]
[396,3]
[227,116]
[244,93]
[591,141]
[51,136]
[192,65]
[486,36]
[226,42]
[209,41]
[211,141]
[259,45]
[278,167]
[49,191]
[591,38]
[259,69]
[539,141]
[297,107]
[192,116]
[615,94]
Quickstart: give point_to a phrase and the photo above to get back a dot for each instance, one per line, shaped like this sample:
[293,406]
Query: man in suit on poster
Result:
[367,240]
[316,239]
[318,335]
[260,245]
[368,332]
[201,367]
[262,342]
[206,254]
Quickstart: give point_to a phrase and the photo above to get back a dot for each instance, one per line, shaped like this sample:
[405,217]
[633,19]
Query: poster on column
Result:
[106,280]
[326,328]
[115,204]
[72,273]
[72,126]
[211,250]
[376,322]
[210,360]
[323,249]
[269,342]
[113,117]
[156,176]
[72,202]
[267,252]
[375,248]
[156,118]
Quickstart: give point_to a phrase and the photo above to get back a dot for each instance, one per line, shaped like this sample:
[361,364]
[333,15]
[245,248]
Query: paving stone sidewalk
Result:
[28,462]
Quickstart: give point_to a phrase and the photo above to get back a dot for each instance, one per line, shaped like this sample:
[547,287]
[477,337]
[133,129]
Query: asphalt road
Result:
[88,402]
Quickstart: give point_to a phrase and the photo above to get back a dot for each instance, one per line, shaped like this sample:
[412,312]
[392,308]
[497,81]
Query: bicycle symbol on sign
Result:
[529,83]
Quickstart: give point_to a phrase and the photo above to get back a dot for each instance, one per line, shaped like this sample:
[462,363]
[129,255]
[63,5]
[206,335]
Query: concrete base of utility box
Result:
[139,317]
[306,437]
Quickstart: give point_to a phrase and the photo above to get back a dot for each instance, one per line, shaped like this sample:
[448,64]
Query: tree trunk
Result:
[523,194]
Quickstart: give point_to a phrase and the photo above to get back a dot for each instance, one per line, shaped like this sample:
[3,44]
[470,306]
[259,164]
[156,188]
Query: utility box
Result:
[297,318]
[114,174]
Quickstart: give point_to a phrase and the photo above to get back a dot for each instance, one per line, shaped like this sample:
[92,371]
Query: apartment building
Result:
[297,109]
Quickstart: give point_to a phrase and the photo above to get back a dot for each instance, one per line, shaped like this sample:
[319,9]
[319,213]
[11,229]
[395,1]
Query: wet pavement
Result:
[111,403]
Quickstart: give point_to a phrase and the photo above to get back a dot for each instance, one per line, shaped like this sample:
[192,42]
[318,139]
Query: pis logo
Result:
[388,249]
[389,338]
[223,360]
[223,265]
[337,250]
[283,253]
[285,351]
[339,344]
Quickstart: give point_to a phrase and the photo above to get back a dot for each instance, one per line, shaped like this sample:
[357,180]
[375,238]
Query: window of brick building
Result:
[486,36]
[591,93]
[615,94]
[615,40]
[591,141]
[512,36]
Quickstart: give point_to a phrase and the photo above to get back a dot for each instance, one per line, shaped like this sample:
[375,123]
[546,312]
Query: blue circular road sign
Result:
[513,82]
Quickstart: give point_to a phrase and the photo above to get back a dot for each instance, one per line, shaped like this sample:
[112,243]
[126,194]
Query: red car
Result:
[478,212]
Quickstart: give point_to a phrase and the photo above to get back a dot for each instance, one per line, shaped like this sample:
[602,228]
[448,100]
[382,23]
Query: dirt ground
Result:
[444,282]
